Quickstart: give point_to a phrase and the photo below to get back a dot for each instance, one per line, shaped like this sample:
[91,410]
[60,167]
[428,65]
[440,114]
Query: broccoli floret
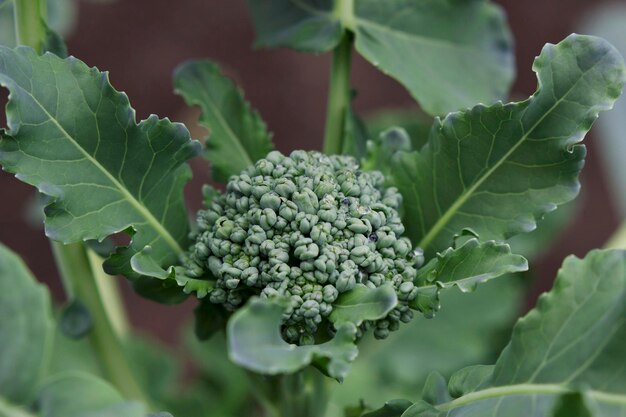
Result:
[306,227]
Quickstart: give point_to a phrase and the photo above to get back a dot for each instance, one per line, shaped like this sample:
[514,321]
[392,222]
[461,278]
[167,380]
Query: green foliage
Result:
[106,173]
[238,136]
[465,332]
[76,395]
[304,257]
[25,333]
[415,42]
[464,267]
[571,342]
[497,169]
[255,343]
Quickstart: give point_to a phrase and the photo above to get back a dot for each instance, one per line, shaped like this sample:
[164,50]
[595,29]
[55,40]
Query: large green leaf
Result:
[76,394]
[255,343]
[465,267]
[497,169]
[238,136]
[573,340]
[75,138]
[26,329]
[448,54]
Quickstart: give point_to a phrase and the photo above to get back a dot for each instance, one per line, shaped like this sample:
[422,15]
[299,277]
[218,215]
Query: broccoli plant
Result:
[298,261]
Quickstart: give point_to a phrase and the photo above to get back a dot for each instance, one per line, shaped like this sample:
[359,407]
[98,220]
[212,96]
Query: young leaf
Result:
[497,169]
[575,338]
[75,138]
[77,394]
[363,303]
[393,408]
[238,136]
[464,267]
[26,329]
[304,25]
[418,43]
[255,343]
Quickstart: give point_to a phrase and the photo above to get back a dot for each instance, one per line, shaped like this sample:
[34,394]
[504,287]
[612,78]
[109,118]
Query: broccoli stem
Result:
[302,394]
[338,96]
[80,282]
[29,19]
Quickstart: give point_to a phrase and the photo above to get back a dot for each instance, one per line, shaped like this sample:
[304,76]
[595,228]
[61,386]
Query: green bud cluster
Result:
[308,228]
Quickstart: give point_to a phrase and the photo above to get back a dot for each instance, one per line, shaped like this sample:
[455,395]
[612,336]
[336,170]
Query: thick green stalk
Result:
[302,394]
[79,281]
[618,239]
[338,96]
[111,298]
[29,27]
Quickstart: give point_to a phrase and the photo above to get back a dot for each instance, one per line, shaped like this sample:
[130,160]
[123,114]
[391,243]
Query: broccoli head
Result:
[306,227]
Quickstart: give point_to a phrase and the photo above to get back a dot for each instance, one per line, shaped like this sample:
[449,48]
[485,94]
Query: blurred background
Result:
[141,42]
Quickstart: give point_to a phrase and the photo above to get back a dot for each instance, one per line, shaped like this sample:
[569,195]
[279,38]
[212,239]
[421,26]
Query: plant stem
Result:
[302,394]
[618,239]
[29,18]
[338,95]
[79,281]
[110,294]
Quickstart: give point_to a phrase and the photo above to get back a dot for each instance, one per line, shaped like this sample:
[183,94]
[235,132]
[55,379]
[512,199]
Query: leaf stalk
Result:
[338,96]
[29,23]
[80,282]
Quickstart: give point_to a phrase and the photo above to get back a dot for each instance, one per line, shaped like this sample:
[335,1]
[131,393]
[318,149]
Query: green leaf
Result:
[76,139]
[76,394]
[255,343]
[26,329]
[575,337]
[144,262]
[393,408]
[498,169]
[466,332]
[304,25]
[363,303]
[417,43]
[420,45]
[465,267]
[238,136]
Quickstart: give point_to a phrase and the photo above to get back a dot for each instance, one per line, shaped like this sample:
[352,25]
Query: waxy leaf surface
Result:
[498,169]
[448,54]
[255,343]
[238,136]
[573,341]
[75,138]
[26,329]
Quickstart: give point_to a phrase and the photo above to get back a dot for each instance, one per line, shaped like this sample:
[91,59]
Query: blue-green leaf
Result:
[75,138]
[574,339]
[498,169]
[465,267]
[255,343]
[238,135]
[76,394]
[26,329]
[419,43]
